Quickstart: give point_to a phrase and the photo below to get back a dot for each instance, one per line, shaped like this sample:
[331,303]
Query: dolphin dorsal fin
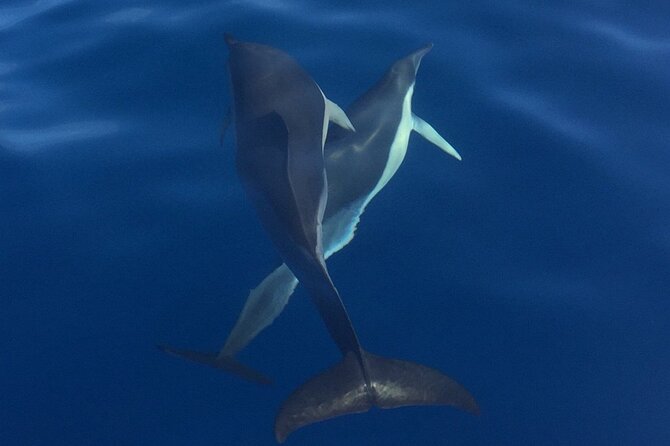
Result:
[338,116]
[427,131]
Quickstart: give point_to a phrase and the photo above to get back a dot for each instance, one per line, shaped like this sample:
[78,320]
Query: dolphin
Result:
[358,165]
[277,107]
[281,118]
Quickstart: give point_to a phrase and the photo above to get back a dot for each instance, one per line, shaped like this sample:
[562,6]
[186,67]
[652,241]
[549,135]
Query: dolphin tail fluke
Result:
[227,363]
[342,390]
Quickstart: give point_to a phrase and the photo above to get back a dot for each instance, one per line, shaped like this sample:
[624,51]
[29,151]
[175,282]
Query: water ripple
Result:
[627,38]
[39,138]
[128,15]
[7,67]
[604,146]
[547,112]
[10,17]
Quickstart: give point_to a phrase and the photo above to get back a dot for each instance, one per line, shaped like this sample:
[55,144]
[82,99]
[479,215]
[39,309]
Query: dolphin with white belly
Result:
[281,122]
[358,165]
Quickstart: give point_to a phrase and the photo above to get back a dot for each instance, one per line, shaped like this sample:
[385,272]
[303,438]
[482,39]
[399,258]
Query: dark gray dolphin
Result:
[281,119]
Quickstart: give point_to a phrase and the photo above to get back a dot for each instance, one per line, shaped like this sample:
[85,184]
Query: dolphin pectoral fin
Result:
[427,131]
[232,365]
[343,390]
[227,119]
[338,116]
[338,230]
[221,362]
[264,304]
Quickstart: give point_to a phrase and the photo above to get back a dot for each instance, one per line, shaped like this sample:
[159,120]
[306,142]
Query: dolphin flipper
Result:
[264,304]
[268,299]
[342,390]
[338,116]
[226,363]
[339,229]
[427,131]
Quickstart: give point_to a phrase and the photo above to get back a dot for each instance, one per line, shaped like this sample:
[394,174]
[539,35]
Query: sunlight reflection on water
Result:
[46,137]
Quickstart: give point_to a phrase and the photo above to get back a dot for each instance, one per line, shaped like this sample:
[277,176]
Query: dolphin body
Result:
[282,164]
[277,107]
[358,165]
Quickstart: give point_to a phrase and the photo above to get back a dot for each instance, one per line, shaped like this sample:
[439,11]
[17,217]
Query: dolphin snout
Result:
[417,55]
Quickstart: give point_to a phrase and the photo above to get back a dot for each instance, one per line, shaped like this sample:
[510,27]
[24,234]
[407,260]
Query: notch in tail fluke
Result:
[227,363]
[342,390]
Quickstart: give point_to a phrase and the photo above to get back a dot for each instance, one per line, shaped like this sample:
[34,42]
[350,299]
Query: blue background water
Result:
[535,271]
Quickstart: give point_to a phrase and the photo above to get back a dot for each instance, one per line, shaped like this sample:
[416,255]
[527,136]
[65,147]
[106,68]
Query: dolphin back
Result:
[343,389]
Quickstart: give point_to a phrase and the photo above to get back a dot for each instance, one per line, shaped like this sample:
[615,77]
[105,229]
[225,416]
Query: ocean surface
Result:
[536,271]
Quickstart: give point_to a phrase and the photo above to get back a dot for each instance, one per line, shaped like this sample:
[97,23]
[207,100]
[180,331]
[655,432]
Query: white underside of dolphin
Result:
[268,299]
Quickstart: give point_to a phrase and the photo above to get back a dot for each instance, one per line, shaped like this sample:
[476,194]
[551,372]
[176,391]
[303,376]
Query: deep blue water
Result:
[535,271]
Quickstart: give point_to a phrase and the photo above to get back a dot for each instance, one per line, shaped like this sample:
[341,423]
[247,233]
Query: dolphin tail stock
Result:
[343,389]
[227,363]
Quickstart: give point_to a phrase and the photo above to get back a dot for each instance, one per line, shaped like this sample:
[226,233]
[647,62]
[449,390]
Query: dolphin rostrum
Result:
[358,165]
[281,119]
